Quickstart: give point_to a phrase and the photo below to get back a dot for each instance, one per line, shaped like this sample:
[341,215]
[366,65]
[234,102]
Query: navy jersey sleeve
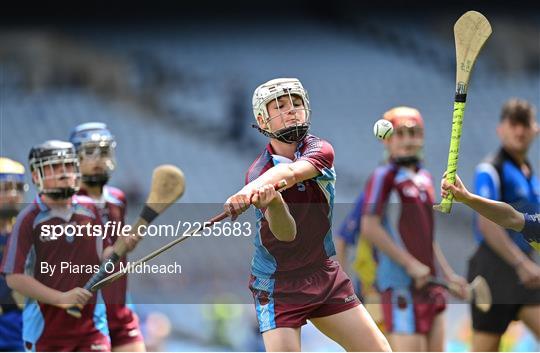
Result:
[531,230]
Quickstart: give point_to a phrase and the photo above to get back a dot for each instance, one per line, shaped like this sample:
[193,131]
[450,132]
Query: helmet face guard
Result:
[272,91]
[95,146]
[100,154]
[52,162]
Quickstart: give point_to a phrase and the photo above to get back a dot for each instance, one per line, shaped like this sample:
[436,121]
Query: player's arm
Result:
[109,249]
[107,240]
[377,192]
[276,212]
[492,229]
[292,173]
[317,159]
[13,266]
[457,284]
[375,233]
[32,288]
[498,212]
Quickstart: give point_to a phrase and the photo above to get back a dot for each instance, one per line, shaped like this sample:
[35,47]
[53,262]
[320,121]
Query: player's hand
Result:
[459,190]
[458,286]
[266,195]
[529,273]
[131,241]
[237,204]
[419,272]
[74,297]
[107,252]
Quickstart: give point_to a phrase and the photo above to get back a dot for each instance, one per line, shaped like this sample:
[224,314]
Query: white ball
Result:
[383,129]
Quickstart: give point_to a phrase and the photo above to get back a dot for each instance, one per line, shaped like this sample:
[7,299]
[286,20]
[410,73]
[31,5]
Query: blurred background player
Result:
[504,257]
[293,279]
[95,146]
[398,219]
[12,189]
[46,325]
[363,262]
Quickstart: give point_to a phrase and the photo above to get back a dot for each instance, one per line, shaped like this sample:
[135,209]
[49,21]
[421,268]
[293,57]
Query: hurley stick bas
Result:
[478,292]
[471,32]
[167,186]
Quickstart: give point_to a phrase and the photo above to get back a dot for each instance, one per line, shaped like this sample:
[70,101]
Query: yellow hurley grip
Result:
[457,122]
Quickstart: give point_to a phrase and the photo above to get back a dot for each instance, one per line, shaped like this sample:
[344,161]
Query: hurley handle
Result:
[453,155]
[75,311]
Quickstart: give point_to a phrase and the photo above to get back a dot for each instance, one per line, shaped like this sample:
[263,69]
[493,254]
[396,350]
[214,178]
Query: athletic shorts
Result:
[409,311]
[289,301]
[508,294]
[123,325]
[100,344]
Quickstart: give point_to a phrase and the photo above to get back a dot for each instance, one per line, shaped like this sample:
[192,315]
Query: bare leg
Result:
[530,315]
[130,347]
[407,343]
[354,330]
[283,339]
[485,341]
[435,338]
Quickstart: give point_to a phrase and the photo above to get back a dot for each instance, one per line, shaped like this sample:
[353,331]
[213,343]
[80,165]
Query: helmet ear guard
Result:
[271,91]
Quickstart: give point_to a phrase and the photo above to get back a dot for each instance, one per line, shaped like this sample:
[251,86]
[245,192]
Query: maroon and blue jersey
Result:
[310,203]
[122,320]
[112,208]
[403,199]
[28,248]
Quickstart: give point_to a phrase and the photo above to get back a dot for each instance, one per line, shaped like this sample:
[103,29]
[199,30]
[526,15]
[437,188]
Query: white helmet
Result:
[272,90]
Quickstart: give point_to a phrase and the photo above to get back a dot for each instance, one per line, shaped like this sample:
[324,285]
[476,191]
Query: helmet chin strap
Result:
[288,135]
[407,161]
[61,193]
[95,180]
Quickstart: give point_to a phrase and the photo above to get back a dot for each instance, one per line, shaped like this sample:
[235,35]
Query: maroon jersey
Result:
[112,208]
[30,250]
[403,198]
[310,203]
[123,322]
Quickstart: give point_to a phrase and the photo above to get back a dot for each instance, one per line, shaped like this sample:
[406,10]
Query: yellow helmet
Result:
[11,167]
[11,184]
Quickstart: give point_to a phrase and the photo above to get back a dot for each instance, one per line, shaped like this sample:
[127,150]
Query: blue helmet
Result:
[91,133]
[94,142]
